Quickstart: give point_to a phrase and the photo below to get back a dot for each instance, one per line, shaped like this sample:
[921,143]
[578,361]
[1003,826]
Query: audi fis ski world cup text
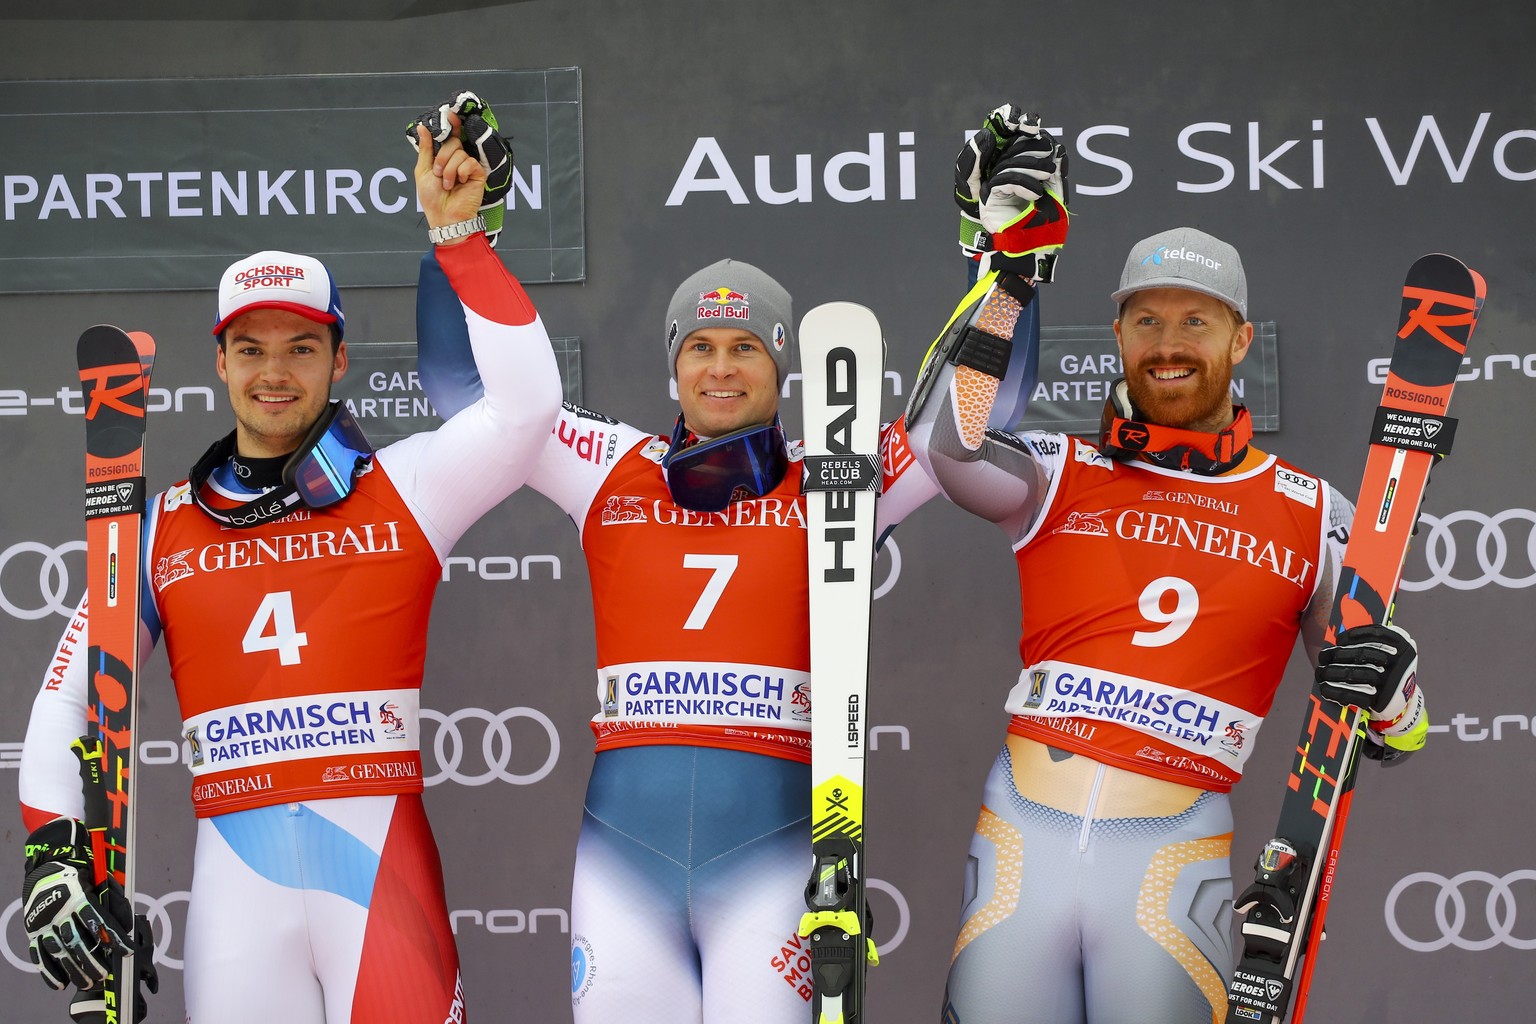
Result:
[1219,156]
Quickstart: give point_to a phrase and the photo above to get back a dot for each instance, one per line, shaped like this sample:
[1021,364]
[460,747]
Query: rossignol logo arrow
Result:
[101,393]
[1423,317]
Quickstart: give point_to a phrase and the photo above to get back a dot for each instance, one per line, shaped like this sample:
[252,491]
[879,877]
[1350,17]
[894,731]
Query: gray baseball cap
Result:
[1185,258]
[731,293]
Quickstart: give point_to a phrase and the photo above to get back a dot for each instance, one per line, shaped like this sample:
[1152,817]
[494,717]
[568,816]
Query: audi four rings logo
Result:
[903,914]
[1447,925]
[1499,558]
[155,908]
[51,595]
[460,759]
[890,553]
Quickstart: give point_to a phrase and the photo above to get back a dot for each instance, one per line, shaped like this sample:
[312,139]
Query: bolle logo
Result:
[1188,255]
[258,515]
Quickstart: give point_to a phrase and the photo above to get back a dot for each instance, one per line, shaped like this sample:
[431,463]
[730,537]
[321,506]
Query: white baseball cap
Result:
[279,280]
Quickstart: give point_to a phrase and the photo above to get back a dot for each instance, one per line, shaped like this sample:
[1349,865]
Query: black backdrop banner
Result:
[183,175]
[1332,144]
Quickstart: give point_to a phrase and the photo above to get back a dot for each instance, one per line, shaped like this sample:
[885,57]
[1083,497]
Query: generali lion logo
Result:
[171,568]
[1090,524]
[623,508]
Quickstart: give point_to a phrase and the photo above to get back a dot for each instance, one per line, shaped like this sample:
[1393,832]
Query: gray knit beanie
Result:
[732,294]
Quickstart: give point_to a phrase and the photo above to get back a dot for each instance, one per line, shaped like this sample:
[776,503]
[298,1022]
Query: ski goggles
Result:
[325,467]
[707,475]
[322,471]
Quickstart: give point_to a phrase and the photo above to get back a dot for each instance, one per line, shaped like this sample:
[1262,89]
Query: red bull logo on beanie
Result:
[724,304]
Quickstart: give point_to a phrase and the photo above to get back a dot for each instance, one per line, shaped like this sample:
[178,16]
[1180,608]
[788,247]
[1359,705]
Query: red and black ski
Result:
[114,376]
[1284,910]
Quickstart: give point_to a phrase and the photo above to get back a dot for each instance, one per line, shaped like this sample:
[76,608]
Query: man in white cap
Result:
[1165,575]
[695,840]
[291,576]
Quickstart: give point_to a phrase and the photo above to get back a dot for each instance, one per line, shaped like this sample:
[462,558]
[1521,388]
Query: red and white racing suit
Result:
[296,648]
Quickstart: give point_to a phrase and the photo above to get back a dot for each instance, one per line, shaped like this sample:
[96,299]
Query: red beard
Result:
[1206,405]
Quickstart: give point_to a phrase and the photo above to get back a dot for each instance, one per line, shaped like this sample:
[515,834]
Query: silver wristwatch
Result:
[448,232]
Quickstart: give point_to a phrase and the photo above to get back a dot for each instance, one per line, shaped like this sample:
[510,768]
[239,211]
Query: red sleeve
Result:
[483,283]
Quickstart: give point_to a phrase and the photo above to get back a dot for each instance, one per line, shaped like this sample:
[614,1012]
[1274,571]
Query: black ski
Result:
[114,374]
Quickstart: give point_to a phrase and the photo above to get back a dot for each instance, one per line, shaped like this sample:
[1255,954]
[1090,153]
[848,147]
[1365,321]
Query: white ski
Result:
[842,358]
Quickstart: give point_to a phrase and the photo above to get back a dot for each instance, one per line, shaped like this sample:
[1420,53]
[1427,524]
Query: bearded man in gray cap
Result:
[695,836]
[1165,575]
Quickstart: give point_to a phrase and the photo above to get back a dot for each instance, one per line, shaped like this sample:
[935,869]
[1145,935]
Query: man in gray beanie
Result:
[731,293]
[695,836]
[1165,575]
[730,336]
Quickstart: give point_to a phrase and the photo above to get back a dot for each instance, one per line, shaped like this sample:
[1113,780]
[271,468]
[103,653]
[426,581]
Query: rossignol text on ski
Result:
[1284,909]
[114,374]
